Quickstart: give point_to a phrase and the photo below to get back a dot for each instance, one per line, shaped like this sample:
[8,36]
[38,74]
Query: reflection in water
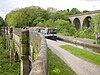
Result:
[97,51]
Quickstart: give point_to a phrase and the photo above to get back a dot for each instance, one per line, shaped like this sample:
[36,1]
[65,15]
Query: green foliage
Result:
[51,10]
[74,11]
[85,33]
[58,15]
[36,16]
[65,27]
[1,22]
[95,23]
[85,11]
[2,42]
[37,20]
[35,52]
[31,16]
[57,66]
[98,41]
[26,16]
[48,23]
[40,24]
[5,67]
[84,54]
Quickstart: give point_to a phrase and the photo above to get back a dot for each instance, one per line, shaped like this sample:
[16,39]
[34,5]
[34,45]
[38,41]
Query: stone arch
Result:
[77,23]
[86,21]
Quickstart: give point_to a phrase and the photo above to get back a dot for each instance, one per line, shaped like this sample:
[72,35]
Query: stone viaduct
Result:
[82,20]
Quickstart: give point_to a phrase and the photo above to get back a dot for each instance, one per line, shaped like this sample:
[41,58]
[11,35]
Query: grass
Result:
[57,66]
[86,55]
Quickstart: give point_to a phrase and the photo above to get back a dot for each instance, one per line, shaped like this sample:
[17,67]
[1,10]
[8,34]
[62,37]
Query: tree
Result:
[85,11]
[1,22]
[37,20]
[40,24]
[65,27]
[95,23]
[74,11]
[49,23]
[26,16]
[51,10]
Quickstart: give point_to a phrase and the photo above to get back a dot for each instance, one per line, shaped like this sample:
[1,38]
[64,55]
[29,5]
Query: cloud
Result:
[91,0]
[2,14]
[8,5]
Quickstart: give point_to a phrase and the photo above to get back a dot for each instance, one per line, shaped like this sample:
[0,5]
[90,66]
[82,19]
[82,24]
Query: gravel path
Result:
[80,66]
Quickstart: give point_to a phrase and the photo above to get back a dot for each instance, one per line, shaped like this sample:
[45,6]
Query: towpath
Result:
[80,66]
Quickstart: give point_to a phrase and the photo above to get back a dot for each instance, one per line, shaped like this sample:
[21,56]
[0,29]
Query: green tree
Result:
[65,27]
[38,20]
[51,10]
[26,16]
[85,33]
[85,11]
[41,24]
[95,23]
[49,23]
[74,11]
[1,22]
[62,14]
[58,14]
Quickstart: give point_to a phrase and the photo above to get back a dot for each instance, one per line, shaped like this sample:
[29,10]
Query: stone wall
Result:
[34,63]
[39,66]
[17,40]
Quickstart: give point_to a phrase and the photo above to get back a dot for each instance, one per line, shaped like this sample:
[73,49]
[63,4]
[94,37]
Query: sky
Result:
[7,5]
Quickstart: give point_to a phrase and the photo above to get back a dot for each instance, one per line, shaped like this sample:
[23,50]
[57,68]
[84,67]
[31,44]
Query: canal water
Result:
[94,50]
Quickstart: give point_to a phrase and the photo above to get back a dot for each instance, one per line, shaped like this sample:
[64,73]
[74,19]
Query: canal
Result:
[94,50]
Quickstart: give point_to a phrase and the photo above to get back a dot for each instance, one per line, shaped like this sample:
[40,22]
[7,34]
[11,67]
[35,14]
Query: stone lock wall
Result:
[31,48]
[39,66]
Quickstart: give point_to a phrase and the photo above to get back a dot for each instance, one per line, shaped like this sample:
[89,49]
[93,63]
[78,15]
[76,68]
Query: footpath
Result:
[80,66]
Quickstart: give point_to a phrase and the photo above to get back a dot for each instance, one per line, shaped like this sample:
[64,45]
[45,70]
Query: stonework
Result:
[82,18]
[35,62]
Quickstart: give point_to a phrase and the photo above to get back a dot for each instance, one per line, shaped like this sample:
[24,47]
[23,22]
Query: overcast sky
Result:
[8,5]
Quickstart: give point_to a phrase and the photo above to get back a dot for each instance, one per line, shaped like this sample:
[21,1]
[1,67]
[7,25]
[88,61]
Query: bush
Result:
[5,67]
[2,42]
[85,33]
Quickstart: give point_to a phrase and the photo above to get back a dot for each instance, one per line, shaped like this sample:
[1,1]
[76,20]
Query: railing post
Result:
[25,63]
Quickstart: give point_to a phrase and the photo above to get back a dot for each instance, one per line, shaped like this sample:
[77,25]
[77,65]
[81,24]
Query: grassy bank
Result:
[57,66]
[89,56]
[5,67]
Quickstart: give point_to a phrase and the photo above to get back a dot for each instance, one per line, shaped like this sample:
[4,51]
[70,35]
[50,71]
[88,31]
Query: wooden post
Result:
[25,63]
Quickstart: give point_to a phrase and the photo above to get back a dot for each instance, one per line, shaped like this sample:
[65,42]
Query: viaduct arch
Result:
[86,21]
[82,20]
[77,23]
